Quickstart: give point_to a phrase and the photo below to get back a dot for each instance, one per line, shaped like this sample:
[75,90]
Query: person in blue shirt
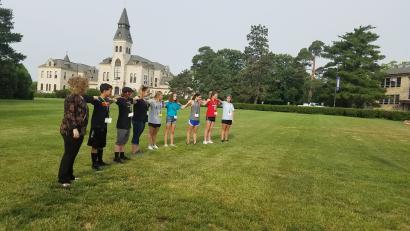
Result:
[173,106]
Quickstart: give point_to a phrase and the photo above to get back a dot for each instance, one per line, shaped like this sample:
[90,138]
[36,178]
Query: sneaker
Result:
[155,146]
[118,160]
[205,142]
[210,142]
[96,167]
[150,147]
[173,145]
[166,145]
[66,185]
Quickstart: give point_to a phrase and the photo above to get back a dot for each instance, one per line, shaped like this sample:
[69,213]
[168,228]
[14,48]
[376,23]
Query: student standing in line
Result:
[123,124]
[100,118]
[154,119]
[139,119]
[73,128]
[173,106]
[211,113]
[227,118]
[193,122]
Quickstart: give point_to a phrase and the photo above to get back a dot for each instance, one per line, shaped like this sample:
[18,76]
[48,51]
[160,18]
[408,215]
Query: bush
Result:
[350,112]
[62,93]
[93,92]
[45,95]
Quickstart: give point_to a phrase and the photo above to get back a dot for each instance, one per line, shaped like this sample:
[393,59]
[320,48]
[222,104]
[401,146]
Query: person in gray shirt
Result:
[227,118]
[193,122]
[154,119]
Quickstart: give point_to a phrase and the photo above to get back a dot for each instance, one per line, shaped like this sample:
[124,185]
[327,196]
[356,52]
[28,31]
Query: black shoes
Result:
[118,160]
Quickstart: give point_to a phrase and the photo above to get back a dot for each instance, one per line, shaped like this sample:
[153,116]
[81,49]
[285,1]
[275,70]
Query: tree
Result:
[15,81]
[258,63]
[356,59]
[307,57]
[182,84]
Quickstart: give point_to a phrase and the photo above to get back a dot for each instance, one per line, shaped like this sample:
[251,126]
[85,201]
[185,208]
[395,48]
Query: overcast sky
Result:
[170,32]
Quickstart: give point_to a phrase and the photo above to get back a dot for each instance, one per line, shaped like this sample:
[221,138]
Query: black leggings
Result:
[71,149]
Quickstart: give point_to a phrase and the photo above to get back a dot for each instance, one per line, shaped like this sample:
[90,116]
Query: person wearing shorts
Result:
[123,124]
[193,122]
[227,118]
[99,120]
[211,113]
[172,106]
[154,119]
[139,119]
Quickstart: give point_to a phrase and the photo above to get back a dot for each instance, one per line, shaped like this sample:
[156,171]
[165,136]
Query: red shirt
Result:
[212,108]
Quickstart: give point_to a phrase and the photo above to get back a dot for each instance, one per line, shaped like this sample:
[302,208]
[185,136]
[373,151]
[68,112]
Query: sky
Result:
[170,32]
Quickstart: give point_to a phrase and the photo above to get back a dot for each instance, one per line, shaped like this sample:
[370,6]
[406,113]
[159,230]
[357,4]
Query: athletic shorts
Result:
[171,120]
[211,119]
[193,123]
[97,138]
[227,122]
[154,125]
[122,136]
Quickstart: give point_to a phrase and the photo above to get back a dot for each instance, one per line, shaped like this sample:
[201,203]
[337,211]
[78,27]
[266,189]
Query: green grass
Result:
[281,171]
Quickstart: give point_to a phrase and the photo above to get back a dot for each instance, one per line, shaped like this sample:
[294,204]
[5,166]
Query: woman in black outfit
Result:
[139,119]
[73,128]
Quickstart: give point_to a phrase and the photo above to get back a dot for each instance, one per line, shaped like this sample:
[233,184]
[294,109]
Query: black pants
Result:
[71,149]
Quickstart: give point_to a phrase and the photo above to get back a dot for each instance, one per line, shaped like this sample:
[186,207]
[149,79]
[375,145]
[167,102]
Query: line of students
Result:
[137,111]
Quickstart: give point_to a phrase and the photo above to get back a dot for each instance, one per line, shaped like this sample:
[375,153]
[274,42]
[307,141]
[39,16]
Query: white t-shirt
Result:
[228,110]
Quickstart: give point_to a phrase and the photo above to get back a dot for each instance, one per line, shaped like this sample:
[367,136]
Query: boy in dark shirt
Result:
[99,121]
[123,123]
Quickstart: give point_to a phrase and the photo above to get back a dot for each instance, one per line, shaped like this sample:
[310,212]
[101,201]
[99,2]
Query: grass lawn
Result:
[280,171]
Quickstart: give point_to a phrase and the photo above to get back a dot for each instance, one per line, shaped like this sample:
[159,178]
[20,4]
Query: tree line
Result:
[15,81]
[258,75]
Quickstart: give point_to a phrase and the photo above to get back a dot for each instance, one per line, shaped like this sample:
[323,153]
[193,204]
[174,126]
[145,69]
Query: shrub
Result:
[350,112]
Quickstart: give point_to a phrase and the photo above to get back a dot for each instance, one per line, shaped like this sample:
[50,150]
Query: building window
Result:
[41,87]
[49,64]
[156,82]
[108,76]
[72,75]
[55,87]
[104,76]
[387,83]
[120,48]
[55,75]
[63,87]
[131,78]
[391,99]
[116,48]
[117,69]
[135,79]
[65,75]
[398,82]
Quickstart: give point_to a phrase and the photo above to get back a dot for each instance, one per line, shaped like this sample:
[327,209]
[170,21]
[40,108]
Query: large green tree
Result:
[355,58]
[183,83]
[15,81]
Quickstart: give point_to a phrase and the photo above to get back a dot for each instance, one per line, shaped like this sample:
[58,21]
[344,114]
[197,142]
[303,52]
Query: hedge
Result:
[351,112]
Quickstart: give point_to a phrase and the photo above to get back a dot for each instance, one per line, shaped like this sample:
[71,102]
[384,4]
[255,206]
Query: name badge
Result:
[131,114]
[108,120]
[175,117]
[196,115]
[216,113]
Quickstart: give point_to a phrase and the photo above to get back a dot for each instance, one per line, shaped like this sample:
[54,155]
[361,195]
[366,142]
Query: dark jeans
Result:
[71,149]
[137,128]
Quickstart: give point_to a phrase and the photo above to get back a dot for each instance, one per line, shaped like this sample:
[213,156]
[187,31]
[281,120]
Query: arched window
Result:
[108,76]
[135,78]
[116,91]
[55,87]
[41,87]
[156,82]
[117,69]
[131,78]
[116,48]
[104,76]
[55,75]
[120,48]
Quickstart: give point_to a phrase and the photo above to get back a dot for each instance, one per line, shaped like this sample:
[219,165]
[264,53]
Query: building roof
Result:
[123,31]
[398,70]
[90,71]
